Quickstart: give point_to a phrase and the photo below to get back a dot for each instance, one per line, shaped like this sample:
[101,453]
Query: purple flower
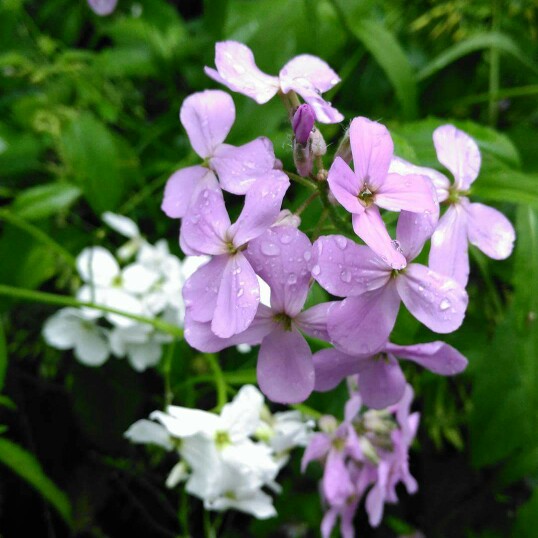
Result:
[285,370]
[372,186]
[225,291]
[208,117]
[361,324]
[381,380]
[102,7]
[303,122]
[305,74]
[463,222]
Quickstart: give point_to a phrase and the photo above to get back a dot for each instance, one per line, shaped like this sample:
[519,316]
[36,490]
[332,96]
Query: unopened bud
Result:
[344,148]
[303,158]
[303,122]
[317,142]
[368,450]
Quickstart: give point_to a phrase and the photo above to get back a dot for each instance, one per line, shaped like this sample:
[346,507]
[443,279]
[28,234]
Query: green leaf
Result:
[527,518]
[91,154]
[482,41]
[388,53]
[45,200]
[28,468]
[507,186]
[3,355]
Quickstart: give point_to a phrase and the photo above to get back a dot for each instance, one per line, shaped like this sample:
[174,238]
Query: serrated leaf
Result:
[477,42]
[45,200]
[388,53]
[29,469]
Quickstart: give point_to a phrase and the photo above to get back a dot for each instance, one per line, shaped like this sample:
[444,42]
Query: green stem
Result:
[301,180]
[307,411]
[494,67]
[340,224]
[208,528]
[184,513]
[38,234]
[62,300]
[306,203]
[220,382]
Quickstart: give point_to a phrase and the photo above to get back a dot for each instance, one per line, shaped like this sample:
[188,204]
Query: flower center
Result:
[284,320]
[366,196]
[222,439]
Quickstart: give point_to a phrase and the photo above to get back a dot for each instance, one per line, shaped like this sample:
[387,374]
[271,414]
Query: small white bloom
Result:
[69,328]
[149,432]
[128,228]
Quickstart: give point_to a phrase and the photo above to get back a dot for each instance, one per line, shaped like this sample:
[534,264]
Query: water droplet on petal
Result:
[270,249]
[341,242]
[240,292]
[345,276]
[285,239]
[307,255]
[316,270]
[292,278]
[445,304]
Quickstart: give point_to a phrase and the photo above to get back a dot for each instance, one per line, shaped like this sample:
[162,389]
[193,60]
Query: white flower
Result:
[128,228]
[149,432]
[69,328]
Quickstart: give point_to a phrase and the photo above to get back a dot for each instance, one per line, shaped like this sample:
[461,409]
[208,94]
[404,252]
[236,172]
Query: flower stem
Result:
[220,382]
[339,223]
[301,180]
[306,203]
[62,300]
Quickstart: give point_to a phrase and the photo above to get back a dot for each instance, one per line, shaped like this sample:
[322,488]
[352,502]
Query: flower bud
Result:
[344,148]
[303,158]
[317,142]
[303,122]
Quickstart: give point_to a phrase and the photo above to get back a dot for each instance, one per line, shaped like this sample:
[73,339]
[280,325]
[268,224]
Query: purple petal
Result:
[201,337]
[102,7]
[448,252]
[207,117]
[201,289]
[332,366]
[180,189]
[490,231]
[238,297]
[413,230]
[458,152]
[372,150]
[375,501]
[372,230]
[317,448]
[404,168]
[361,325]
[345,186]
[205,226]
[438,357]
[239,167]
[279,256]
[285,370]
[261,209]
[325,112]
[344,268]
[313,321]
[237,70]
[381,381]
[311,68]
[435,300]
[336,483]
[411,193]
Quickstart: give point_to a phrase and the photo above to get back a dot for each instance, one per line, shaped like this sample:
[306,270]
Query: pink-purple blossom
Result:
[371,186]
[305,75]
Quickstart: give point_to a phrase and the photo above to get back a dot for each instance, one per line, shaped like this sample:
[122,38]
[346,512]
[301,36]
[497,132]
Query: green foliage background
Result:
[89,123]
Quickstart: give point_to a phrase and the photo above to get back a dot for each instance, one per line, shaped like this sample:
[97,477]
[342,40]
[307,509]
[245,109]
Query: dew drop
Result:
[236,271]
[240,292]
[345,276]
[445,304]
[270,249]
[396,245]
[316,270]
[307,255]
[285,239]
[341,242]
[292,278]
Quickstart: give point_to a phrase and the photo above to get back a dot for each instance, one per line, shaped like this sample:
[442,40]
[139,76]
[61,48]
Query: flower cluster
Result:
[365,455]
[148,286]
[227,459]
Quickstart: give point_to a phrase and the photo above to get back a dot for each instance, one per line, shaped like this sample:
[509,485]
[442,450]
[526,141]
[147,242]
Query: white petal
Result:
[242,414]
[138,279]
[123,225]
[97,265]
[91,347]
[185,422]
[258,504]
[61,330]
[121,300]
[178,474]
[148,432]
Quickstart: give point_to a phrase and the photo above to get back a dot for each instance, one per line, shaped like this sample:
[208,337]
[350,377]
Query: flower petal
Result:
[458,152]
[242,415]
[200,336]
[201,289]
[310,68]
[438,357]
[285,370]
[205,227]
[148,432]
[361,325]
[279,256]
[262,206]
[410,192]
[313,321]
[413,230]
[317,448]
[180,188]
[381,382]
[372,230]
[435,300]
[345,185]
[185,422]
[98,266]
[490,231]
[207,117]
[102,7]
[238,297]
[372,149]
[440,181]
[336,483]
[121,224]
[237,70]
[332,366]
[239,167]
[449,252]
[344,268]
[91,347]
